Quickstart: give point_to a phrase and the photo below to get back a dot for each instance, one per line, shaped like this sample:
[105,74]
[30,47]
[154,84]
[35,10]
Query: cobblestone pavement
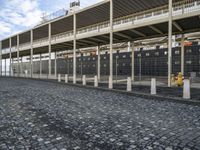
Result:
[44,115]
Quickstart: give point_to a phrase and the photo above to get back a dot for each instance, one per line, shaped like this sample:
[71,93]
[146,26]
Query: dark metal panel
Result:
[40,32]
[25,37]
[14,41]
[94,15]
[5,43]
[62,25]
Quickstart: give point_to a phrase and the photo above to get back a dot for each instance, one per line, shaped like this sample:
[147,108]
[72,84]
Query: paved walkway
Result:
[44,115]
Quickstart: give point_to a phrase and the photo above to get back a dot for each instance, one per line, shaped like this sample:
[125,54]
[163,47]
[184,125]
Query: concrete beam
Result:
[156,29]
[177,26]
[138,33]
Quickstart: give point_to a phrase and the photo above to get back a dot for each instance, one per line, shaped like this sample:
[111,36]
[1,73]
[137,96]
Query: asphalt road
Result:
[45,115]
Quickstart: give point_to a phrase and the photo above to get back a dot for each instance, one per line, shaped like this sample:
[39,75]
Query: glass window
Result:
[124,56]
[177,52]
[189,62]
[189,51]
[157,53]
[177,62]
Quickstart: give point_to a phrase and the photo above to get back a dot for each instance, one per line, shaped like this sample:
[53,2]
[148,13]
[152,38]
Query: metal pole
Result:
[133,63]
[182,54]
[170,44]
[10,44]
[55,67]
[99,63]
[111,46]
[18,55]
[31,53]
[49,49]
[74,51]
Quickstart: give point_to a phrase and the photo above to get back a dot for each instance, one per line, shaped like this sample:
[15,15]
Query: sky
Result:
[20,15]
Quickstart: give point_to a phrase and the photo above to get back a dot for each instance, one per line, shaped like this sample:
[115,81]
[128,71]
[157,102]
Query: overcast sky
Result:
[19,15]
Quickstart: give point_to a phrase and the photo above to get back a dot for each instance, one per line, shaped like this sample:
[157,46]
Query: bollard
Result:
[129,84]
[186,89]
[66,78]
[110,84]
[59,78]
[95,81]
[153,86]
[84,80]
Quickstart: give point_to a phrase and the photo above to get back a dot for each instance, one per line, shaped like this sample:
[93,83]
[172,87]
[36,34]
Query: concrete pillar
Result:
[10,45]
[40,65]
[55,63]
[186,89]
[84,80]
[182,54]
[5,67]
[111,46]
[129,84]
[31,54]
[99,63]
[170,44]
[74,51]
[59,77]
[66,78]
[1,58]
[95,81]
[21,66]
[133,63]
[18,55]
[49,49]
[153,86]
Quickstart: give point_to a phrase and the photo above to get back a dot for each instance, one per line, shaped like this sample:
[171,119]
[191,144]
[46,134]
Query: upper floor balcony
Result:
[181,10]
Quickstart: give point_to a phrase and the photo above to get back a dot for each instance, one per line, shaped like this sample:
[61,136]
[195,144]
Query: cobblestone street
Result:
[45,115]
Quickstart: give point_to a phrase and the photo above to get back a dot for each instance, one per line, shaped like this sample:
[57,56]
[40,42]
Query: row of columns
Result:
[98,49]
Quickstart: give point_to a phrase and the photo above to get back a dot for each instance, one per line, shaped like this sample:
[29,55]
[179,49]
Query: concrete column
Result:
[55,67]
[31,59]
[1,58]
[170,44]
[182,54]
[95,81]
[129,85]
[74,52]
[5,66]
[186,89]
[18,55]
[153,86]
[111,46]
[84,80]
[99,63]
[40,65]
[21,66]
[133,63]
[10,45]
[59,78]
[49,49]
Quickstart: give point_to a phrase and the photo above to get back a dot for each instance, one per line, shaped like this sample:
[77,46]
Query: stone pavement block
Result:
[44,115]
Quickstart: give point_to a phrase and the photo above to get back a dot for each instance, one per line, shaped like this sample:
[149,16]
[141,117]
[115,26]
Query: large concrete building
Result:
[106,23]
